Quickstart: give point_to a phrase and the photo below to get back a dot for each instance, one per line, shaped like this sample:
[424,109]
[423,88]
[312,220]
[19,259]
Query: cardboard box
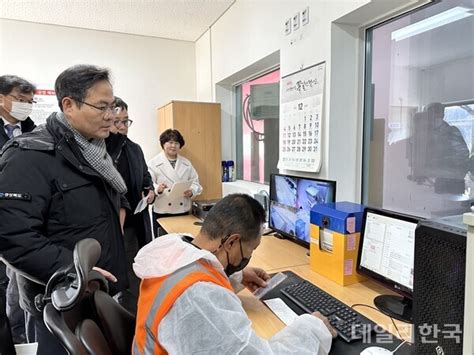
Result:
[337,225]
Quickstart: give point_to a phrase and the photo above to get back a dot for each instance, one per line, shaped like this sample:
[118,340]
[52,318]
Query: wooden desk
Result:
[275,255]
[180,224]
[266,324]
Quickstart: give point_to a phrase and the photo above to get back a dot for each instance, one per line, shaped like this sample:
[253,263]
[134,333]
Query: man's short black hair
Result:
[10,82]
[235,214]
[171,135]
[76,80]
[120,103]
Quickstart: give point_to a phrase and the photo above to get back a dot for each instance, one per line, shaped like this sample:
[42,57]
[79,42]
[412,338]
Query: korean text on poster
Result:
[301,107]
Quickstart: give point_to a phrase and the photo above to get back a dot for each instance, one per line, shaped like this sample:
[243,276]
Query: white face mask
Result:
[21,110]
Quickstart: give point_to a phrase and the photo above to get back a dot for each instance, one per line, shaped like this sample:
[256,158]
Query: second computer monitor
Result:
[387,254]
[291,200]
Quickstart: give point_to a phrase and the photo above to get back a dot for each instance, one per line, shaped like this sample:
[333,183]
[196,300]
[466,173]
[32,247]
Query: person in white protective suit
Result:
[187,301]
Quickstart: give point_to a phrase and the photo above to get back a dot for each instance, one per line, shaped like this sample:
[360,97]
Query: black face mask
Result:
[231,269]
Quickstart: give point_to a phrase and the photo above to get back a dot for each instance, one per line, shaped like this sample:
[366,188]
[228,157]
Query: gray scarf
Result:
[95,153]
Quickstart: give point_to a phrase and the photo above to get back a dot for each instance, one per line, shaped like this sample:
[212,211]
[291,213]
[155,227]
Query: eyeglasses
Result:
[20,99]
[126,123]
[173,143]
[105,109]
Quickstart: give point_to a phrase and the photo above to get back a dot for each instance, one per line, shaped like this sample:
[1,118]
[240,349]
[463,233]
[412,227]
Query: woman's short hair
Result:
[171,135]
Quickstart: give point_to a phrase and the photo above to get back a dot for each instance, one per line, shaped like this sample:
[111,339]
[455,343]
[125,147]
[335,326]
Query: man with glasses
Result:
[130,162]
[188,302]
[58,185]
[16,103]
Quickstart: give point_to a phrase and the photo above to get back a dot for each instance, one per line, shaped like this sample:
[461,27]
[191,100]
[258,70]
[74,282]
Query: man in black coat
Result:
[130,162]
[16,103]
[58,185]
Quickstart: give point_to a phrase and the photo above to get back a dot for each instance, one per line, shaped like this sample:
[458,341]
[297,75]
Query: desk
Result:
[180,224]
[275,255]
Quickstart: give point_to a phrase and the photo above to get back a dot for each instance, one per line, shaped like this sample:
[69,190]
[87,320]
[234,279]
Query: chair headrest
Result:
[66,287]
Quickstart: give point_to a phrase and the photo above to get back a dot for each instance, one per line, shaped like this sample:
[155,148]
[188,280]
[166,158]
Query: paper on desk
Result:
[281,310]
[271,284]
[178,188]
[141,205]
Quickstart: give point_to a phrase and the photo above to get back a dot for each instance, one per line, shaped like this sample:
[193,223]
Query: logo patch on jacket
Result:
[22,196]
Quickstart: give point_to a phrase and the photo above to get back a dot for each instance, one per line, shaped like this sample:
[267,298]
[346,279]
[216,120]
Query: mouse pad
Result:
[339,346]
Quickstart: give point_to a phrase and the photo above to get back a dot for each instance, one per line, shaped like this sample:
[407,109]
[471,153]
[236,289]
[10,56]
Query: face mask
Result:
[21,110]
[231,269]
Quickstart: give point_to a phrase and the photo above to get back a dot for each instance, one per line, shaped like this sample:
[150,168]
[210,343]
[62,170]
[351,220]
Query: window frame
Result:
[237,90]
[368,97]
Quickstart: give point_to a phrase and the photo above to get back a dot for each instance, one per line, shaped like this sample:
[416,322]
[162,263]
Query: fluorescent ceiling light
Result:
[451,15]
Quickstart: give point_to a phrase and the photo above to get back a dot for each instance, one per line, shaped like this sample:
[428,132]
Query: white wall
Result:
[250,32]
[204,68]
[147,72]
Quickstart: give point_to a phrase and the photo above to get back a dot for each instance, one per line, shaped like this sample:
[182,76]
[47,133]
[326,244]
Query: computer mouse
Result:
[375,350]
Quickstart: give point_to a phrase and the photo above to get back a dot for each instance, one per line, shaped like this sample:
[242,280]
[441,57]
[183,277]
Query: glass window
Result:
[419,111]
[258,105]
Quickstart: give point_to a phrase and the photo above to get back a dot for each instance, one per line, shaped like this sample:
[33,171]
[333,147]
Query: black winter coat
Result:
[6,345]
[121,148]
[59,200]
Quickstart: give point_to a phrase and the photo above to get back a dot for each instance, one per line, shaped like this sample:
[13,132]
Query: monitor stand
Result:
[395,306]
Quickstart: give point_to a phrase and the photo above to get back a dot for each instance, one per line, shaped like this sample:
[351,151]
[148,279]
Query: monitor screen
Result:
[291,200]
[387,255]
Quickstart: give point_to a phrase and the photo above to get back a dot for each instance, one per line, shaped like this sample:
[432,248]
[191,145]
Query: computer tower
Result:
[439,285]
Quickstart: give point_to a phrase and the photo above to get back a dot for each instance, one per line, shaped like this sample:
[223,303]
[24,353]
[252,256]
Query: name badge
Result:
[21,196]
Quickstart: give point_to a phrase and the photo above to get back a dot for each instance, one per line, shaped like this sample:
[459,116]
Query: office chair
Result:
[80,313]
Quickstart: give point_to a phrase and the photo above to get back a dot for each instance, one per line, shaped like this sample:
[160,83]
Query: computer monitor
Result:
[387,254]
[291,200]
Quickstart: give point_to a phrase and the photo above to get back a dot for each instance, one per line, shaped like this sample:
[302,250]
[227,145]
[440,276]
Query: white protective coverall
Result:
[208,319]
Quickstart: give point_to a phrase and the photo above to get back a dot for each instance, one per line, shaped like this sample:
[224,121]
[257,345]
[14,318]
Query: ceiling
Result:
[183,20]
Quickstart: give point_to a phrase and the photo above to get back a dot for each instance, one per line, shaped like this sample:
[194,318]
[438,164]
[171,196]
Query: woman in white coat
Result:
[167,168]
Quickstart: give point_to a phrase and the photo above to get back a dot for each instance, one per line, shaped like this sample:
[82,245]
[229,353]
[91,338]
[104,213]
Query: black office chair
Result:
[80,313]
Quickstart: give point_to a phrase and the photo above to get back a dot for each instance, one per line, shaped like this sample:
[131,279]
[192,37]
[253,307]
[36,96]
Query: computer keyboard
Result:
[350,325]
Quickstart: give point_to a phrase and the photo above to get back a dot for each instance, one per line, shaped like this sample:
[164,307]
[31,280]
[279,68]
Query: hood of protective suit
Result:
[168,253]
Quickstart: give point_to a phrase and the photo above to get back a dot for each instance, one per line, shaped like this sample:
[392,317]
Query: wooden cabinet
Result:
[200,125]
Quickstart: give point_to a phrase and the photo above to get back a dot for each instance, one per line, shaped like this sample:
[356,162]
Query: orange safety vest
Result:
[157,296]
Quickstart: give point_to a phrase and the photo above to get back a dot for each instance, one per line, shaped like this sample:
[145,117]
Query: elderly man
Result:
[187,304]
[58,185]
[16,104]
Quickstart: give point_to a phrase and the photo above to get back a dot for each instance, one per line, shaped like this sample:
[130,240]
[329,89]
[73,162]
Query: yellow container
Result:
[338,265]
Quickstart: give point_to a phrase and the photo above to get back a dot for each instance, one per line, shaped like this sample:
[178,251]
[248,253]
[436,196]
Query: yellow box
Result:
[340,264]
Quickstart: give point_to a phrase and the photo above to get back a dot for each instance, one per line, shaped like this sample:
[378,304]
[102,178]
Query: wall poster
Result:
[301,107]
[46,103]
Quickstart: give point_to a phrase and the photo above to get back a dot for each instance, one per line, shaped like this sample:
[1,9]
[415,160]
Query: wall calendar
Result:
[301,107]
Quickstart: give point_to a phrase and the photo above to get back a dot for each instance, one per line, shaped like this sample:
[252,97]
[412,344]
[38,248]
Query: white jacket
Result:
[208,319]
[161,171]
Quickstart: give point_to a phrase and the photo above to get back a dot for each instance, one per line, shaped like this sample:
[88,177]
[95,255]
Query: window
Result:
[419,111]
[258,104]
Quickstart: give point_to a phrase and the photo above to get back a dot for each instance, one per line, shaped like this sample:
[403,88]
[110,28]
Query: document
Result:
[141,205]
[178,188]
[271,284]
[281,310]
